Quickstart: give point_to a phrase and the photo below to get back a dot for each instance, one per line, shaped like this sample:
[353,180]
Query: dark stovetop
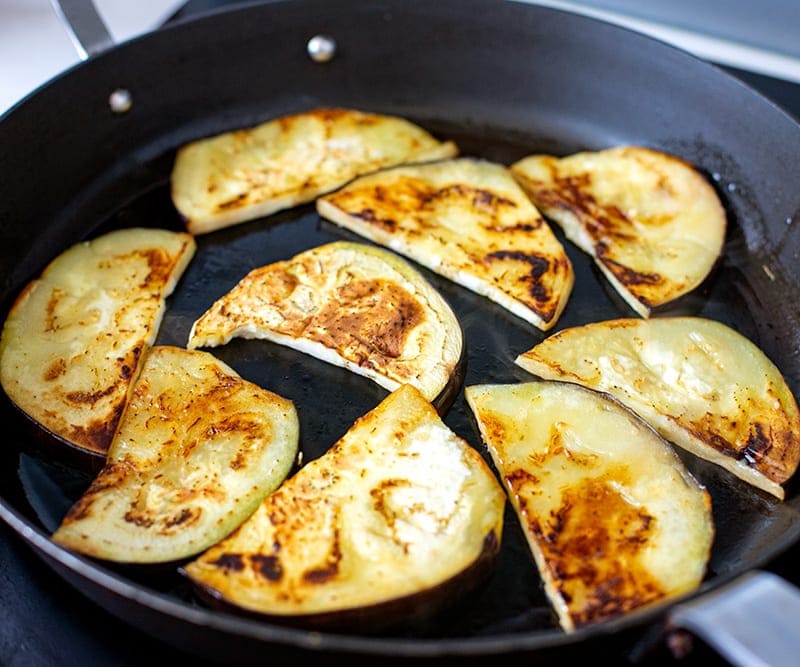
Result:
[47,623]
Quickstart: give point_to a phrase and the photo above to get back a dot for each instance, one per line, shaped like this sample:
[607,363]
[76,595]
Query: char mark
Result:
[268,567]
[538,267]
[369,215]
[230,562]
[625,274]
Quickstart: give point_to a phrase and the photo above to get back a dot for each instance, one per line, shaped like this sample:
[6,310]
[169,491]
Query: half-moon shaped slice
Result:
[197,450]
[398,518]
[349,304]
[653,224]
[613,519]
[469,221]
[249,173]
[702,385]
[72,343]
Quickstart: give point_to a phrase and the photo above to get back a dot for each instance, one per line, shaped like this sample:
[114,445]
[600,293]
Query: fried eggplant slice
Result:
[72,343]
[380,524]
[653,224]
[468,221]
[237,176]
[349,304]
[612,517]
[197,450]
[702,385]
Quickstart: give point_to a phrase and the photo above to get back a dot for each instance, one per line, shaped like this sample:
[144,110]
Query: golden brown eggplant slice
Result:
[702,385]
[197,450]
[349,304]
[613,519]
[653,223]
[237,176]
[72,343]
[468,221]
[396,510]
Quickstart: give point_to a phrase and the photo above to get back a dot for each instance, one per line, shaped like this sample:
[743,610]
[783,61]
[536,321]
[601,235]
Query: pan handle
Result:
[86,28]
[750,622]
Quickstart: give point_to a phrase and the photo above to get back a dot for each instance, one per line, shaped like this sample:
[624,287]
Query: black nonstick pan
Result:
[93,150]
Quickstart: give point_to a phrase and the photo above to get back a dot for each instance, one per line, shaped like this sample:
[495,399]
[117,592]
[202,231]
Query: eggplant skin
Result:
[73,341]
[389,521]
[701,384]
[252,172]
[614,520]
[350,304]
[197,449]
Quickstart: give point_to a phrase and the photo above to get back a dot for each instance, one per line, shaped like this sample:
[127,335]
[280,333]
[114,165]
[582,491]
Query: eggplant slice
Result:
[351,305]
[700,383]
[72,344]
[197,450]
[653,224]
[614,520]
[468,221]
[249,173]
[384,522]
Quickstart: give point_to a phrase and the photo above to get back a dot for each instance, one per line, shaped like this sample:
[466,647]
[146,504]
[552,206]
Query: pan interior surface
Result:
[491,111]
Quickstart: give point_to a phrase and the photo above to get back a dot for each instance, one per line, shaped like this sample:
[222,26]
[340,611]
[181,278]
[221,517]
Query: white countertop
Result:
[35,46]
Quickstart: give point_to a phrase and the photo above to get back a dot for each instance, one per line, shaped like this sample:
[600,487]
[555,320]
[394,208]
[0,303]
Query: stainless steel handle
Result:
[86,28]
[752,622]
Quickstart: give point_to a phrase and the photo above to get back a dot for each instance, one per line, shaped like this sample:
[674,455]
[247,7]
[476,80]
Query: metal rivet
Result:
[321,48]
[120,100]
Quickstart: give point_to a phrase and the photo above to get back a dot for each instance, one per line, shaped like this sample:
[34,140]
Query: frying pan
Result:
[93,149]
